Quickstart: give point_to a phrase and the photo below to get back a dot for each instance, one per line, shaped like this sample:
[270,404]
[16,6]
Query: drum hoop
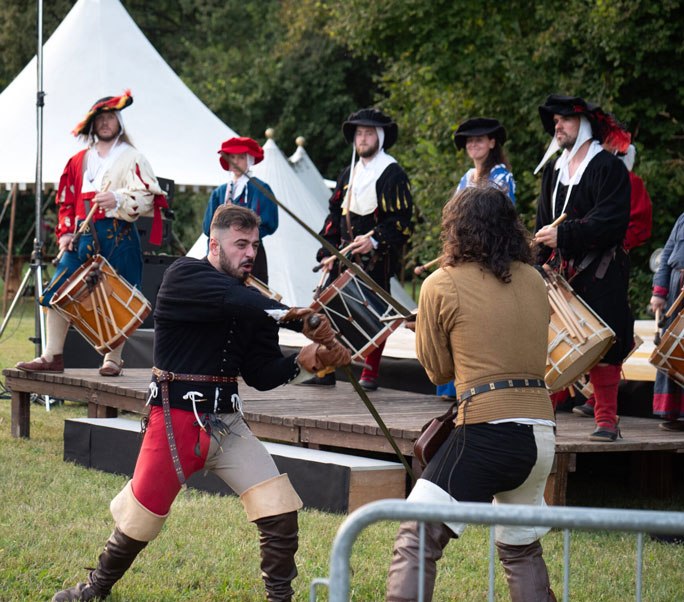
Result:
[348,287]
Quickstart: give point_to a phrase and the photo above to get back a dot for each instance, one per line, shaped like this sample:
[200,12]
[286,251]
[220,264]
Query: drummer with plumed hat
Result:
[370,208]
[591,187]
[114,180]
[237,156]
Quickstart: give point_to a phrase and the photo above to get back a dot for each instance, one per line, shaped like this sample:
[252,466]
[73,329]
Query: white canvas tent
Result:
[97,51]
[291,251]
[312,179]
[308,173]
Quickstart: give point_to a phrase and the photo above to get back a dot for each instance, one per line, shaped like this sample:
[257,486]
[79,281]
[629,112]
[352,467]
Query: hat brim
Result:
[238,146]
[498,133]
[567,106]
[391,130]
[115,103]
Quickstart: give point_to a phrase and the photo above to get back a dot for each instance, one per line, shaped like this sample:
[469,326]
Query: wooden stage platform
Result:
[334,417]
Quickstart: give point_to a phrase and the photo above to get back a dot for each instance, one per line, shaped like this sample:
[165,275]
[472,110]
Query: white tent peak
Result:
[98,51]
[308,173]
[291,250]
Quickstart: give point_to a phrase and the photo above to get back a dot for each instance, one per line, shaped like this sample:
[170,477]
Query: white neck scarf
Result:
[97,166]
[367,174]
[238,184]
[563,164]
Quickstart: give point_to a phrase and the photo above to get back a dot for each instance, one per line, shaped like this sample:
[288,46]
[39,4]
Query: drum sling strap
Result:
[91,228]
[601,268]
[164,377]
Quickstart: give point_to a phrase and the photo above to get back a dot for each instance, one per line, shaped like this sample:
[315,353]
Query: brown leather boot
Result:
[402,581]
[278,538]
[528,579]
[118,554]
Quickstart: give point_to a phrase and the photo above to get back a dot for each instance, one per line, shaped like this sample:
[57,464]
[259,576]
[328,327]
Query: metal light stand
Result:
[36,266]
[37,255]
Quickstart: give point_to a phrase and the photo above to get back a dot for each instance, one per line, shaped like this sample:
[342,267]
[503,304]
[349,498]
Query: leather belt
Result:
[165,377]
[168,376]
[497,385]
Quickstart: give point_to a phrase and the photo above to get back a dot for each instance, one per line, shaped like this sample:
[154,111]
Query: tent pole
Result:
[10,247]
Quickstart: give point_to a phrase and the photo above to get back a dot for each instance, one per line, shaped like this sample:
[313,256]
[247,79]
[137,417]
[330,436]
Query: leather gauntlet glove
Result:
[314,357]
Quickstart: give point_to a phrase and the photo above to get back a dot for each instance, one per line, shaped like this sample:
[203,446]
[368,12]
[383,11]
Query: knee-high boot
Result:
[528,579]
[402,581]
[278,539]
[118,555]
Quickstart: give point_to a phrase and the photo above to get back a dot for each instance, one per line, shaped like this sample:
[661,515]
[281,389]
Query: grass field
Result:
[54,518]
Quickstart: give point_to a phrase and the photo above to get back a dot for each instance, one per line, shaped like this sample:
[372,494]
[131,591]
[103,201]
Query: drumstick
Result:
[576,326]
[677,301]
[553,224]
[560,305]
[343,251]
[97,322]
[558,220]
[99,294]
[419,269]
[104,295]
[561,316]
[656,338]
[82,227]
[564,306]
[409,318]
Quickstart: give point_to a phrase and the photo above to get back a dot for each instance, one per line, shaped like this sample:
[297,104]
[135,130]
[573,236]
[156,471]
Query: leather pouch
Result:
[433,435]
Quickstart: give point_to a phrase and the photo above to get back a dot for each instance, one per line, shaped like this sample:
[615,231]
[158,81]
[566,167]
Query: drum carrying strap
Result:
[602,267]
[91,227]
[165,377]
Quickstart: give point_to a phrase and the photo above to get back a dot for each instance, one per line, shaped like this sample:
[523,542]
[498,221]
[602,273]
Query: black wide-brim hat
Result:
[108,103]
[371,118]
[557,104]
[604,126]
[479,126]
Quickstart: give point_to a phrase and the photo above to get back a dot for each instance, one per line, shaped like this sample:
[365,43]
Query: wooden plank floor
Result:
[332,415]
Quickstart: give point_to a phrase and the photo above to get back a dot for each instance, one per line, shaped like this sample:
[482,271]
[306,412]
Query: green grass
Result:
[54,519]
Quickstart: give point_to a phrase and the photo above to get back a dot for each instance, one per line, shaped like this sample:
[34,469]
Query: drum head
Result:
[580,366]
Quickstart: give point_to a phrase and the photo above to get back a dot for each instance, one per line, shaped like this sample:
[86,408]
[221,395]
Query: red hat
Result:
[237,146]
[108,103]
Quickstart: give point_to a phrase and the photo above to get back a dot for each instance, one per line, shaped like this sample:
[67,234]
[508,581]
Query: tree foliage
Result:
[451,60]
[301,66]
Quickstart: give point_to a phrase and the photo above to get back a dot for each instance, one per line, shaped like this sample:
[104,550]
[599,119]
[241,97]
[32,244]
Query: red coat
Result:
[640,214]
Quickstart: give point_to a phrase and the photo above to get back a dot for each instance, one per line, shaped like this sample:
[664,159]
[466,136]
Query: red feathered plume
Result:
[115,103]
[613,133]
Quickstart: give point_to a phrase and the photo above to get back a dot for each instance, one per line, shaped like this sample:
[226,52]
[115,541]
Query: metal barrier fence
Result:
[639,521]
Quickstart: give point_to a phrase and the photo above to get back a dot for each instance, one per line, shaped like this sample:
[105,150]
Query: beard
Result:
[566,143]
[369,152]
[109,136]
[230,269]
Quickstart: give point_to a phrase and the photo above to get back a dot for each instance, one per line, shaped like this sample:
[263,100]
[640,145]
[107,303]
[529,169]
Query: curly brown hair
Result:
[480,225]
